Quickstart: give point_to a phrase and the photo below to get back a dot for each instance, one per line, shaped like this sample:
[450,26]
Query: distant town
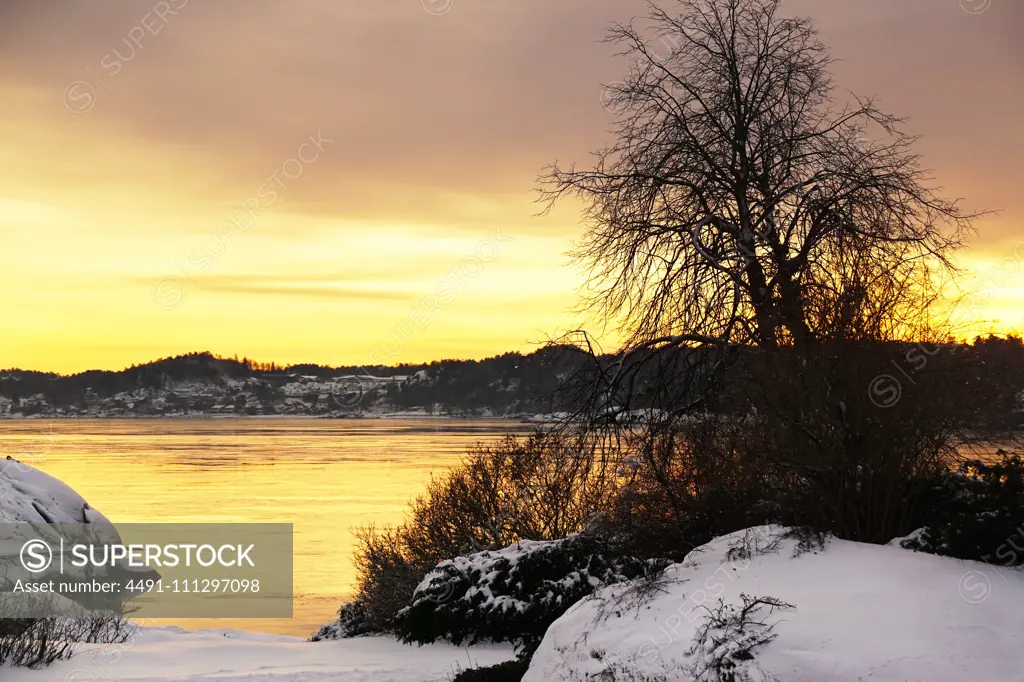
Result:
[202,384]
[528,387]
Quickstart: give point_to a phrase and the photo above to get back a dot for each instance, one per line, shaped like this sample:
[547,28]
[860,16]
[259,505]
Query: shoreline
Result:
[388,415]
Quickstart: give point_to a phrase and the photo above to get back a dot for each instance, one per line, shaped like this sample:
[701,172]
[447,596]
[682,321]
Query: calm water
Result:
[327,477]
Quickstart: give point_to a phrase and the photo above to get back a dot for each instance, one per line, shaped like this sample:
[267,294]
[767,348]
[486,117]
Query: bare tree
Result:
[748,217]
[741,203]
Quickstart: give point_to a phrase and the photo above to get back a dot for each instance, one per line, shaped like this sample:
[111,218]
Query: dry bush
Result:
[542,487]
[38,642]
[692,481]
[857,436]
[810,439]
[388,574]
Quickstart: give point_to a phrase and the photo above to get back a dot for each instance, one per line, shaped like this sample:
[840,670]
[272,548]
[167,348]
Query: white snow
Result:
[861,612]
[486,561]
[162,654]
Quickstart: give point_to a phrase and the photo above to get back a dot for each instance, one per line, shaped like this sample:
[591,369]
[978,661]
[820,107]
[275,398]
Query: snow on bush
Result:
[728,638]
[784,609]
[352,622]
[509,671]
[512,594]
[975,513]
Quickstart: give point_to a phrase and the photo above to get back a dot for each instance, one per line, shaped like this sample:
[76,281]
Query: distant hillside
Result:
[508,385]
[205,384]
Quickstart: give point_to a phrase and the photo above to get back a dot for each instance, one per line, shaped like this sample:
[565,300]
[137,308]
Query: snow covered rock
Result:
[27,495]
[34,505]
[511,594]
[757,605]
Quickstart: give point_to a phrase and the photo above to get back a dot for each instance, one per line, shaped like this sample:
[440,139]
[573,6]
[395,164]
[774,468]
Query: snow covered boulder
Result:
[760,605]
[512,594]
[27,495]
[34,505]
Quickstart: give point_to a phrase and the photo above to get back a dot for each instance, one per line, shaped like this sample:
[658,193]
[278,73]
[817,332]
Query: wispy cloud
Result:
[317,286]
[442,115]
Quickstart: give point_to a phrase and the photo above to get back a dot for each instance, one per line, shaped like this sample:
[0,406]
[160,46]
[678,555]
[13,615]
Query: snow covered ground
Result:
[753,604]
[162,654]
[859,612]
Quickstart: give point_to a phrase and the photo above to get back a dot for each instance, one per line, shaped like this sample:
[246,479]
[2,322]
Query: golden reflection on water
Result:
[326,477]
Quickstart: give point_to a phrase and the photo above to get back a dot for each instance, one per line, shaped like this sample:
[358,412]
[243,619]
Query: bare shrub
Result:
[754,543]
[543,487]
[38,642]
[724,645]
[509,671]
[693,481]
[387,573]
[846,461]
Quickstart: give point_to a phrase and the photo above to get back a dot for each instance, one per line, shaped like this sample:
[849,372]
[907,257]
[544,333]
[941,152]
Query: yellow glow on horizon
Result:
[992,291]
[105,228]
[95,233]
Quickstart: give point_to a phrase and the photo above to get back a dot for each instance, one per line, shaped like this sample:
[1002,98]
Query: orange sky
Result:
[352,182]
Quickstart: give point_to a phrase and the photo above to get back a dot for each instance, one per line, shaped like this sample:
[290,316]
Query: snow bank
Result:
[169,653]
[859,612]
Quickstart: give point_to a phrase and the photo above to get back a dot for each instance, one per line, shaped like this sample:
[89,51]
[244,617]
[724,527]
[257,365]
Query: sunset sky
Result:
[353,182]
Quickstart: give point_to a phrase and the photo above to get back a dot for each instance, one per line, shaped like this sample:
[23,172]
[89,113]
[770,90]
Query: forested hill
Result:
[508,385]
[202,383]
